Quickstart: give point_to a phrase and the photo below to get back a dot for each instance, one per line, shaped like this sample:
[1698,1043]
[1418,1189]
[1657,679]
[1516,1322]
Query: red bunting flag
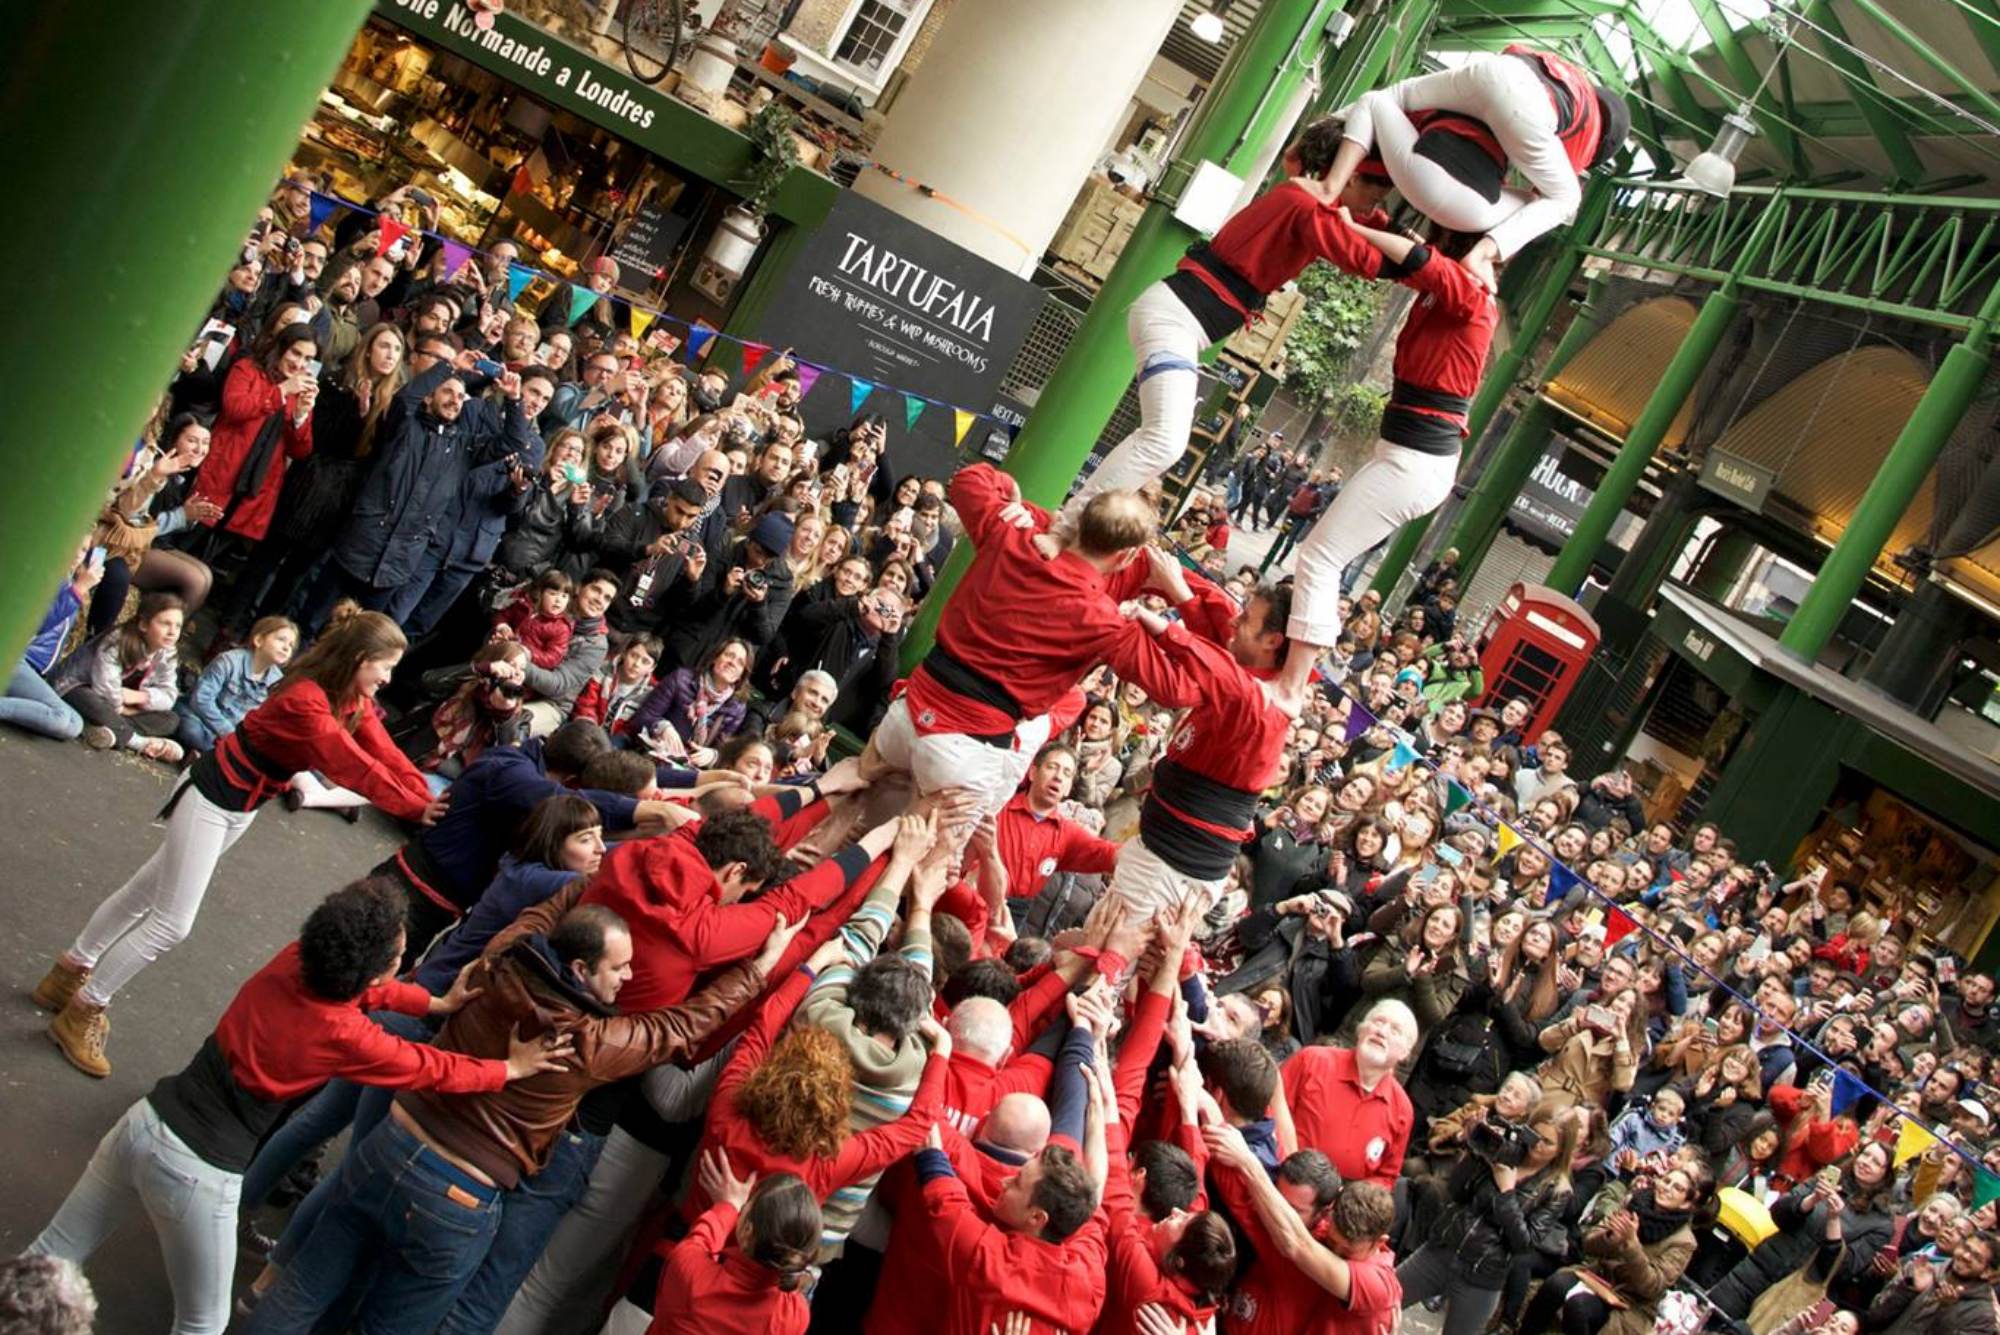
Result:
[392,232]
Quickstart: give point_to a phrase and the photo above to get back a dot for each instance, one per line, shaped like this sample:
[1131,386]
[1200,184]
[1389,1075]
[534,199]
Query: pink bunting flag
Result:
[455,255]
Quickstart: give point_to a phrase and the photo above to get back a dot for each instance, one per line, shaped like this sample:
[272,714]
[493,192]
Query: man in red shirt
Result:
[1298,1284]
[1348,1104]
[1014,639]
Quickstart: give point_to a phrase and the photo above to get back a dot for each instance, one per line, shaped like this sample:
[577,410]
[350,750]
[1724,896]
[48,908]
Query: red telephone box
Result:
[1534,646]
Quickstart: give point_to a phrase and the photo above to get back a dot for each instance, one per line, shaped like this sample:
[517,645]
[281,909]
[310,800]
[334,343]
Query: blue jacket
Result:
[488,502]
[47,641]
[413,500]
[520,885]
[488,803]
[227,690]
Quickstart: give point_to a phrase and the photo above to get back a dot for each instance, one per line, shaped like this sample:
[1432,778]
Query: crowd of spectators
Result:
[1466,1028]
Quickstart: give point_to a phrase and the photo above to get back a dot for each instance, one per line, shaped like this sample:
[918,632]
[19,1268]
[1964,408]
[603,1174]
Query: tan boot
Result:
[80,1031]
[59,984]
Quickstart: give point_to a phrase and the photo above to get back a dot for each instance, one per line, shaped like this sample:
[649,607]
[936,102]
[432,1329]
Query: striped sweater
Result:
[885,1078]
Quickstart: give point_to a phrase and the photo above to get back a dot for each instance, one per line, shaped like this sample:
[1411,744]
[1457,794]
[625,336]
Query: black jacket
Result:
[1486,1229]
[864,665]
[544,527]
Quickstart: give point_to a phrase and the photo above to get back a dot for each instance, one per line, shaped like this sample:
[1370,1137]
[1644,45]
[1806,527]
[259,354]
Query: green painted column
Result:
[1719,570]
[1923,437]
[146,139]
[1506,470]
[1507,367]
[1664,535]
[1257,79]
[1650,427]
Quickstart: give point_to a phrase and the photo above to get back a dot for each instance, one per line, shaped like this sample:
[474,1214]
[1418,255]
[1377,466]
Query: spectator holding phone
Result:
[266,422]
[31,702]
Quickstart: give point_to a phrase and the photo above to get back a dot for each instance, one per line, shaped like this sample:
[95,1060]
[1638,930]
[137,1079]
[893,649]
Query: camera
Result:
[755,579]
[1500,1141]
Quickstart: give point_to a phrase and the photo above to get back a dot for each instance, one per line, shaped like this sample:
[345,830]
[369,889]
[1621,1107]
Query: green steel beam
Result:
[1736,60]
[178,119]
[1645,123]
[1666,66]
[1494,36]
[1984,100]
[1983,18]
[1452,11]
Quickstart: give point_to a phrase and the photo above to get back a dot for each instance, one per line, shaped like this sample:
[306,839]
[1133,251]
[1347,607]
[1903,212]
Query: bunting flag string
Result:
[700,337]
[1848,1088]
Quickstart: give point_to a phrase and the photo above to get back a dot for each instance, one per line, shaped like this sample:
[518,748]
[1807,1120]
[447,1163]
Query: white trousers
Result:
[953,760]
[1167,343]
[571,1280]
[1395,486]
[140,1165]
[1150,889]
[1510,97]
[1426,184]
[154,911]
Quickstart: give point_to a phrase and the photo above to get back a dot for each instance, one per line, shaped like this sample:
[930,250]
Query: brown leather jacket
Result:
[509,1134]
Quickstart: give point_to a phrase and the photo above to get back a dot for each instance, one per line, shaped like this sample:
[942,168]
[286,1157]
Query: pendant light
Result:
[1207,26]
[1714,172]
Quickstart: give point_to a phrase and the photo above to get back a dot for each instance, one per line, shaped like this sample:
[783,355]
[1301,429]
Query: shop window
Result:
[877,35]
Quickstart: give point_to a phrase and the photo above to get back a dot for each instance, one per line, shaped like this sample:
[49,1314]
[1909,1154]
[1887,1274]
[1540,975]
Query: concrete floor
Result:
[78,823]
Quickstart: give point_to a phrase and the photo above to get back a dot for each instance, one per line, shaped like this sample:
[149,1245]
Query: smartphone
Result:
[1450,856]
[577,477]
[96,558]
[421,196]
[312,368]
[1711,1026]
[486,366]
[399,248]
[1947,970]
[542,355]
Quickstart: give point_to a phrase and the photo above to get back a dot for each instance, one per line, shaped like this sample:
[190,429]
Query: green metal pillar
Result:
[1664,535]
[1508,365]
[1506,470]
[1931,423]
[1650,427]
[1256,82]
[1722,565]
[157,134]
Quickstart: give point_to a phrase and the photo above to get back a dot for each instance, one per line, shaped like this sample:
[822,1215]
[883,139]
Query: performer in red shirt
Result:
[1299,1285]
[1220,286]
[1348,1104]
[744,1266]
[1227,750]
[1015,638]
[1543,113]
[321,717]
[1440,356]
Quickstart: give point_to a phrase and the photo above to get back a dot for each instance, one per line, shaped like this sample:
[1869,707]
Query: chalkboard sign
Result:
[874,295]
[647,246]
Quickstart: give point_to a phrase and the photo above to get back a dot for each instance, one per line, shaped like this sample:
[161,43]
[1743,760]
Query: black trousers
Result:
[1585,1314]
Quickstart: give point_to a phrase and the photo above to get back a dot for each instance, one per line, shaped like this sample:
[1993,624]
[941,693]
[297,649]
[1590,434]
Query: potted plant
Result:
[774,152]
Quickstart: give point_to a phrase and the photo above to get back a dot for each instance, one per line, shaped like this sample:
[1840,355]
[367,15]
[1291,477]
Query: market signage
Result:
[536,61]
[879,297]
[1733,476]
[1552,501]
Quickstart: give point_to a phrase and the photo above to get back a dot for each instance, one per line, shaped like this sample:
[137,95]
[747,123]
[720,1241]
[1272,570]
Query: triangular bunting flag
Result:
[1455,797]
[1403,755]
[1561,882]
[857,394]
[1985,1189]
[641,321]
[320,210]
[913,408]
[808,377]
[523,182]
[1912,1139]
[392,232]
[1618,926]
[753,355]
[518,278]
[698,337]
[456,253]
[1359,720]
[962,423]
[1846,1091]
[1508,839]
[582,301]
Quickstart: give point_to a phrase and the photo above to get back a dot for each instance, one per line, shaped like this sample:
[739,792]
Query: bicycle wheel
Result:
[652,37]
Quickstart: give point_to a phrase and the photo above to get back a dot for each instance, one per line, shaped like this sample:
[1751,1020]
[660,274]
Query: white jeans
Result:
[140,1164]
[1510,97]
[566,1290]
[153,912]
[1150,889]
[1395,486]
[1167,343]
[953,760]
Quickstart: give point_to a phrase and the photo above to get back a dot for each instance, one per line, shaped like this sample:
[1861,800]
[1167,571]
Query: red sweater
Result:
[993,1271]
[297,729]
[862,1155]
[1275,1297]
[709,1287]
[1811,1145]
[1364,1132]
[249,398]
[1272,239]
[915,1255]
[1440,354]
[1031,625]
[669,897]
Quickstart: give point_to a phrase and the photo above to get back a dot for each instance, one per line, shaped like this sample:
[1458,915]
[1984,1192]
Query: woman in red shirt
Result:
[745,1264]
[321,717]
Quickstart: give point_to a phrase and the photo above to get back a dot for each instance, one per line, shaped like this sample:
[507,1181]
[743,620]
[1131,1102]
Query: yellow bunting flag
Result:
[1509,840]
[964,422]
[640,319]
[1912,1139]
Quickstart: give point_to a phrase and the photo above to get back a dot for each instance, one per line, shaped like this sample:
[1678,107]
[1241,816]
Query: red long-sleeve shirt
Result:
[1364,1132]
[1272,239]
[915,1254]
[1032,625]
[1275,1297]
[993,1271]
[1034,848]
[709,1287]
[1440,354]
[298,729]
[861,1155]
[1233,734]
[1814,1145]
